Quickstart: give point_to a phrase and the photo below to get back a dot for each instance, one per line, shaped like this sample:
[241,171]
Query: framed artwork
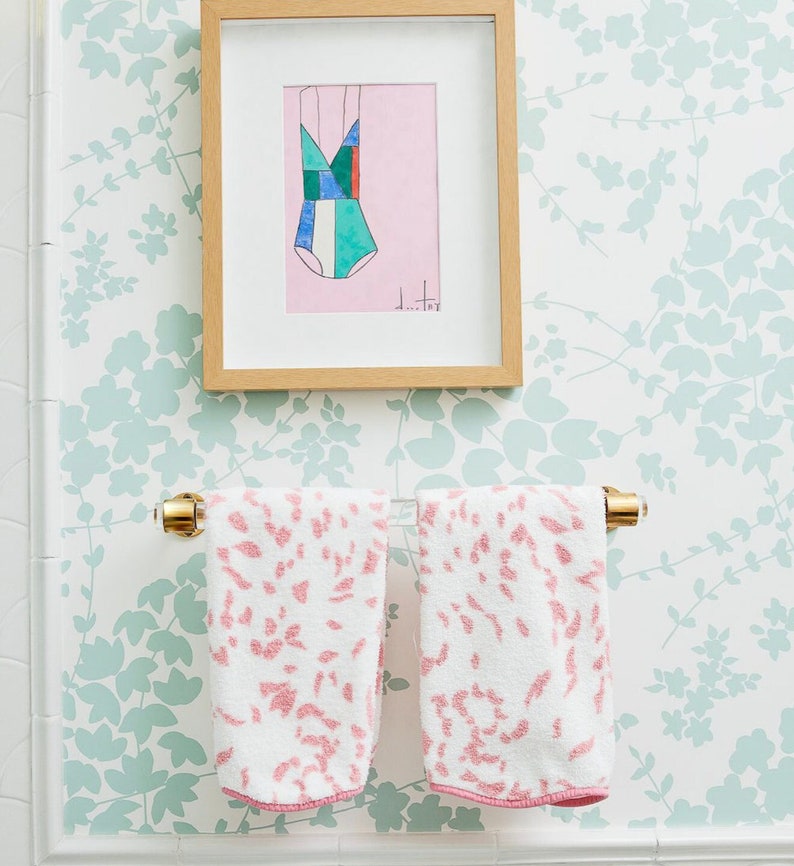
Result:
[360,194]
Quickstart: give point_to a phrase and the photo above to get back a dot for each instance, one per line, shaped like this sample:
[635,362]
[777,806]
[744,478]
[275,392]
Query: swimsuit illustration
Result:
[333,239]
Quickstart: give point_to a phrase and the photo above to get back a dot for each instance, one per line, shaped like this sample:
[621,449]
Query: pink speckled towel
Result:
[516,688]
[295,584]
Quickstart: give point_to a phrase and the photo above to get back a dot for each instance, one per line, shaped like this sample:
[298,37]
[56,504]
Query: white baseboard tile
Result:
[116,851]
[585,847]
[418,849]
[319,849]
[705,847]
[719,846]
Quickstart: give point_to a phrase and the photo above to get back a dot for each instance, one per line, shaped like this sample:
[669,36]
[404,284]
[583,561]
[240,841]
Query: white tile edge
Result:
[45,47]
[44,199]
[44,124]
[747,845]
[45,608]
[47,736]
[43,394]
[45,475]
[44,274]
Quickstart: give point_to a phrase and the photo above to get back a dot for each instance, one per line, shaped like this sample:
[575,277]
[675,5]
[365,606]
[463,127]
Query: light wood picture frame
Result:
[230,303]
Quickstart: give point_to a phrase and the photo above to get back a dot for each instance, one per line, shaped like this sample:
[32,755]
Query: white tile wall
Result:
[15,760]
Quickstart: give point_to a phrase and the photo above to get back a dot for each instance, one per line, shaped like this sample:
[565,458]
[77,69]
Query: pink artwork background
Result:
[398,196]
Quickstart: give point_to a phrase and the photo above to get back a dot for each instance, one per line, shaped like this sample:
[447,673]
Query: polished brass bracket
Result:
[624,509]
[183,515]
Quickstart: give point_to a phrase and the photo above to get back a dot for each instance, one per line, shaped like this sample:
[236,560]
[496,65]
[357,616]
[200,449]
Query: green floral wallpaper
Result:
[657,197]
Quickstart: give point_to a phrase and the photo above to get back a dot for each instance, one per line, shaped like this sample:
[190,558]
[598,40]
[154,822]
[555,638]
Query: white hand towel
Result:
[295,582]
[516,687]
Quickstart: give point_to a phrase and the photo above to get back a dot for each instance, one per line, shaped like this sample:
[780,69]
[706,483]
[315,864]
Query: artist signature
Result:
[423,303]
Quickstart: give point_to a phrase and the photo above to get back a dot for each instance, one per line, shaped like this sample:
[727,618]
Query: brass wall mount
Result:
[624,509]
[182,515]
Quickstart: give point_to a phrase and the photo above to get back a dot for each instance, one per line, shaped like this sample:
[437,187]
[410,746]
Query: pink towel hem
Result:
[568,798]
[291,807]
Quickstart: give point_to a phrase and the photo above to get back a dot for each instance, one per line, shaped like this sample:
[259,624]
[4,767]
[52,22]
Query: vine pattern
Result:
[636,158]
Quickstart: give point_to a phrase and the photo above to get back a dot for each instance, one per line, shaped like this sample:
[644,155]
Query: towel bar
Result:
[184,514]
